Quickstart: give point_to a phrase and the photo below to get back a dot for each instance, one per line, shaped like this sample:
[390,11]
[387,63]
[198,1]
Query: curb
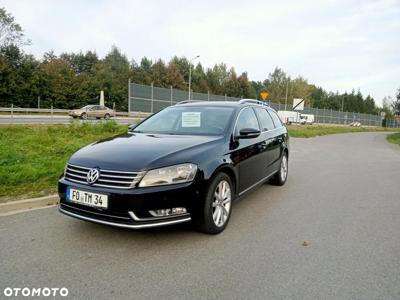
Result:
[23,205]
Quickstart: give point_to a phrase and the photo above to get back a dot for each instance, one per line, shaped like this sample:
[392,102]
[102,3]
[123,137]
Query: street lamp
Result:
[190,72]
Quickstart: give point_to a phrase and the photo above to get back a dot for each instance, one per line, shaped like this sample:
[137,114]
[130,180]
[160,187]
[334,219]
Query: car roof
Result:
[234,104]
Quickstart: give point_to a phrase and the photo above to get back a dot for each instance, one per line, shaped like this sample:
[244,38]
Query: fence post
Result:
[12,110]
[171,94]
[129,96]
[225,98]
[316,116]
[52,111]
[115,111]
[208,95]
[152,97]
[38,102]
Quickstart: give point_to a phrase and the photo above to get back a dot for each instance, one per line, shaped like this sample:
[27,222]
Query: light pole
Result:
[190,72]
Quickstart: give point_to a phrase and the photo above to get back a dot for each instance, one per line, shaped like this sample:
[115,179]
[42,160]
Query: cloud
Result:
[339,45]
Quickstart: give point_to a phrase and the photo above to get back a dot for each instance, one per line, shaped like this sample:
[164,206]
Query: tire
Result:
[107,117]
[213,215]
[84,116]
[280,177]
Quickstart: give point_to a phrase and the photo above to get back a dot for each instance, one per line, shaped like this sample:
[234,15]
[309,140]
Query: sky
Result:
[338,45]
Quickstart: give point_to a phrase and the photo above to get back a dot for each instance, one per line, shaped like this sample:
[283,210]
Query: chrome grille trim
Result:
[108,178]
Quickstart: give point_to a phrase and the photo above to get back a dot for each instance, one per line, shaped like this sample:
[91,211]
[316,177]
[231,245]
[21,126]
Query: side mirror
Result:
[249,133]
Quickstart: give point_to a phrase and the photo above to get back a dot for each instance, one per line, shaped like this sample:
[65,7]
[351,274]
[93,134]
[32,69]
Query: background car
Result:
[92,111]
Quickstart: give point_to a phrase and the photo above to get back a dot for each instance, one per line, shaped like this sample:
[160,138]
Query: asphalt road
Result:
[332,232]
[56,119]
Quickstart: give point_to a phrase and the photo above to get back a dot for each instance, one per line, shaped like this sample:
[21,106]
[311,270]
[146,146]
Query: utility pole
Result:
[190,72]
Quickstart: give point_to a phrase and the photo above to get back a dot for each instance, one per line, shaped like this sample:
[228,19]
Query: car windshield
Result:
[188,120]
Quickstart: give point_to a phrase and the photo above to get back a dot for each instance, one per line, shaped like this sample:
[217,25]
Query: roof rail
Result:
[188,101]
[253,101]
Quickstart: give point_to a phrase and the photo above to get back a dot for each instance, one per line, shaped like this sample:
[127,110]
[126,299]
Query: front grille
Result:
[108,178]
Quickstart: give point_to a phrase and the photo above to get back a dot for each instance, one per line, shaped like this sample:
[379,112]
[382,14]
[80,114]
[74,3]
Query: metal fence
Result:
[151,99]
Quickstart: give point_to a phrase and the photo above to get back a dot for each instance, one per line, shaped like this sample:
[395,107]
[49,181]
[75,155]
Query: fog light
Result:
[168,212]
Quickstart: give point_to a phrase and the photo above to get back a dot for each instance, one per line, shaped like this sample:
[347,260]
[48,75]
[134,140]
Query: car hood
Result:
[139,151]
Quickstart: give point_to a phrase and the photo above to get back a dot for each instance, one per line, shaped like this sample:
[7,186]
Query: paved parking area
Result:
[332,232]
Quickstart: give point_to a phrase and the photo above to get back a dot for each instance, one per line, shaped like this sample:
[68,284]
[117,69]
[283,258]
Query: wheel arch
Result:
[230,171]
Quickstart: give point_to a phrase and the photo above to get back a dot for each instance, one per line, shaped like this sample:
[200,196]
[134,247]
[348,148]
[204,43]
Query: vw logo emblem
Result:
[93,175]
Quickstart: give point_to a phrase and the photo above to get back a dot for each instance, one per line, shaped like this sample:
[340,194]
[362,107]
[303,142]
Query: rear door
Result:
[278,139]
[268,136]
[92,111]
[99,111]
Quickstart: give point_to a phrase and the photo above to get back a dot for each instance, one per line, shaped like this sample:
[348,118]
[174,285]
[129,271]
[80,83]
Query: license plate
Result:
[87,198]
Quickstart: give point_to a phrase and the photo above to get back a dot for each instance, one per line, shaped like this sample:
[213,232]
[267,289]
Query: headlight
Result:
[169,175]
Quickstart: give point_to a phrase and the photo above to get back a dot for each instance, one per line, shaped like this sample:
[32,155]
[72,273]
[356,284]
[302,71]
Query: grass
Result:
[394,138]
[317,130]
[32,157]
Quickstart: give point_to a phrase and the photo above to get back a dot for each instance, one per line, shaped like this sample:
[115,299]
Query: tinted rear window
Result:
[265,119]
[275,118]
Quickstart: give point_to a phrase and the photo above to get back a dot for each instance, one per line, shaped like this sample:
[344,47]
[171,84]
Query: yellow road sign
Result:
[264,95]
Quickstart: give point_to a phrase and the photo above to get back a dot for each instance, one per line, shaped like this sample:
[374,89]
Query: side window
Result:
[247,119]
[275,118]
[265,119]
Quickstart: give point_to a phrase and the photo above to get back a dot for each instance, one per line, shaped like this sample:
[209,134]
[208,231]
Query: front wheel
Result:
[84,116]
[216,210]
[281,176]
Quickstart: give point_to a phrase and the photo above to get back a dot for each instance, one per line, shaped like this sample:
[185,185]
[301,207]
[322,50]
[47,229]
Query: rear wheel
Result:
[215,212]
[107,116]
[281,176]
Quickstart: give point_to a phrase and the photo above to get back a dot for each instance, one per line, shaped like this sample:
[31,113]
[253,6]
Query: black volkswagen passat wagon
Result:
[187,162]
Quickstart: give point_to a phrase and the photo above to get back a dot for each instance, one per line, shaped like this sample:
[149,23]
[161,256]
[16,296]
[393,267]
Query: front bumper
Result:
[130,208]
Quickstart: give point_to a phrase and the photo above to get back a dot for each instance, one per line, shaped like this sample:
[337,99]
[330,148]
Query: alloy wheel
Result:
[284,168]
[221,205]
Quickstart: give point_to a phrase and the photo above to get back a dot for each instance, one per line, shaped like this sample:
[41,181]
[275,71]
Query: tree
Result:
[158,73]
[58,84]
[276,85]
[396,104]
[299,88]
[247,90]
[174,77]
[112,75]
[11,33]
[199,79]
[80,62]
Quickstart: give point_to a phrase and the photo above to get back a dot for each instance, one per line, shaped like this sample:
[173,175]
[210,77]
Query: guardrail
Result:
[33,110]
[51,110]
